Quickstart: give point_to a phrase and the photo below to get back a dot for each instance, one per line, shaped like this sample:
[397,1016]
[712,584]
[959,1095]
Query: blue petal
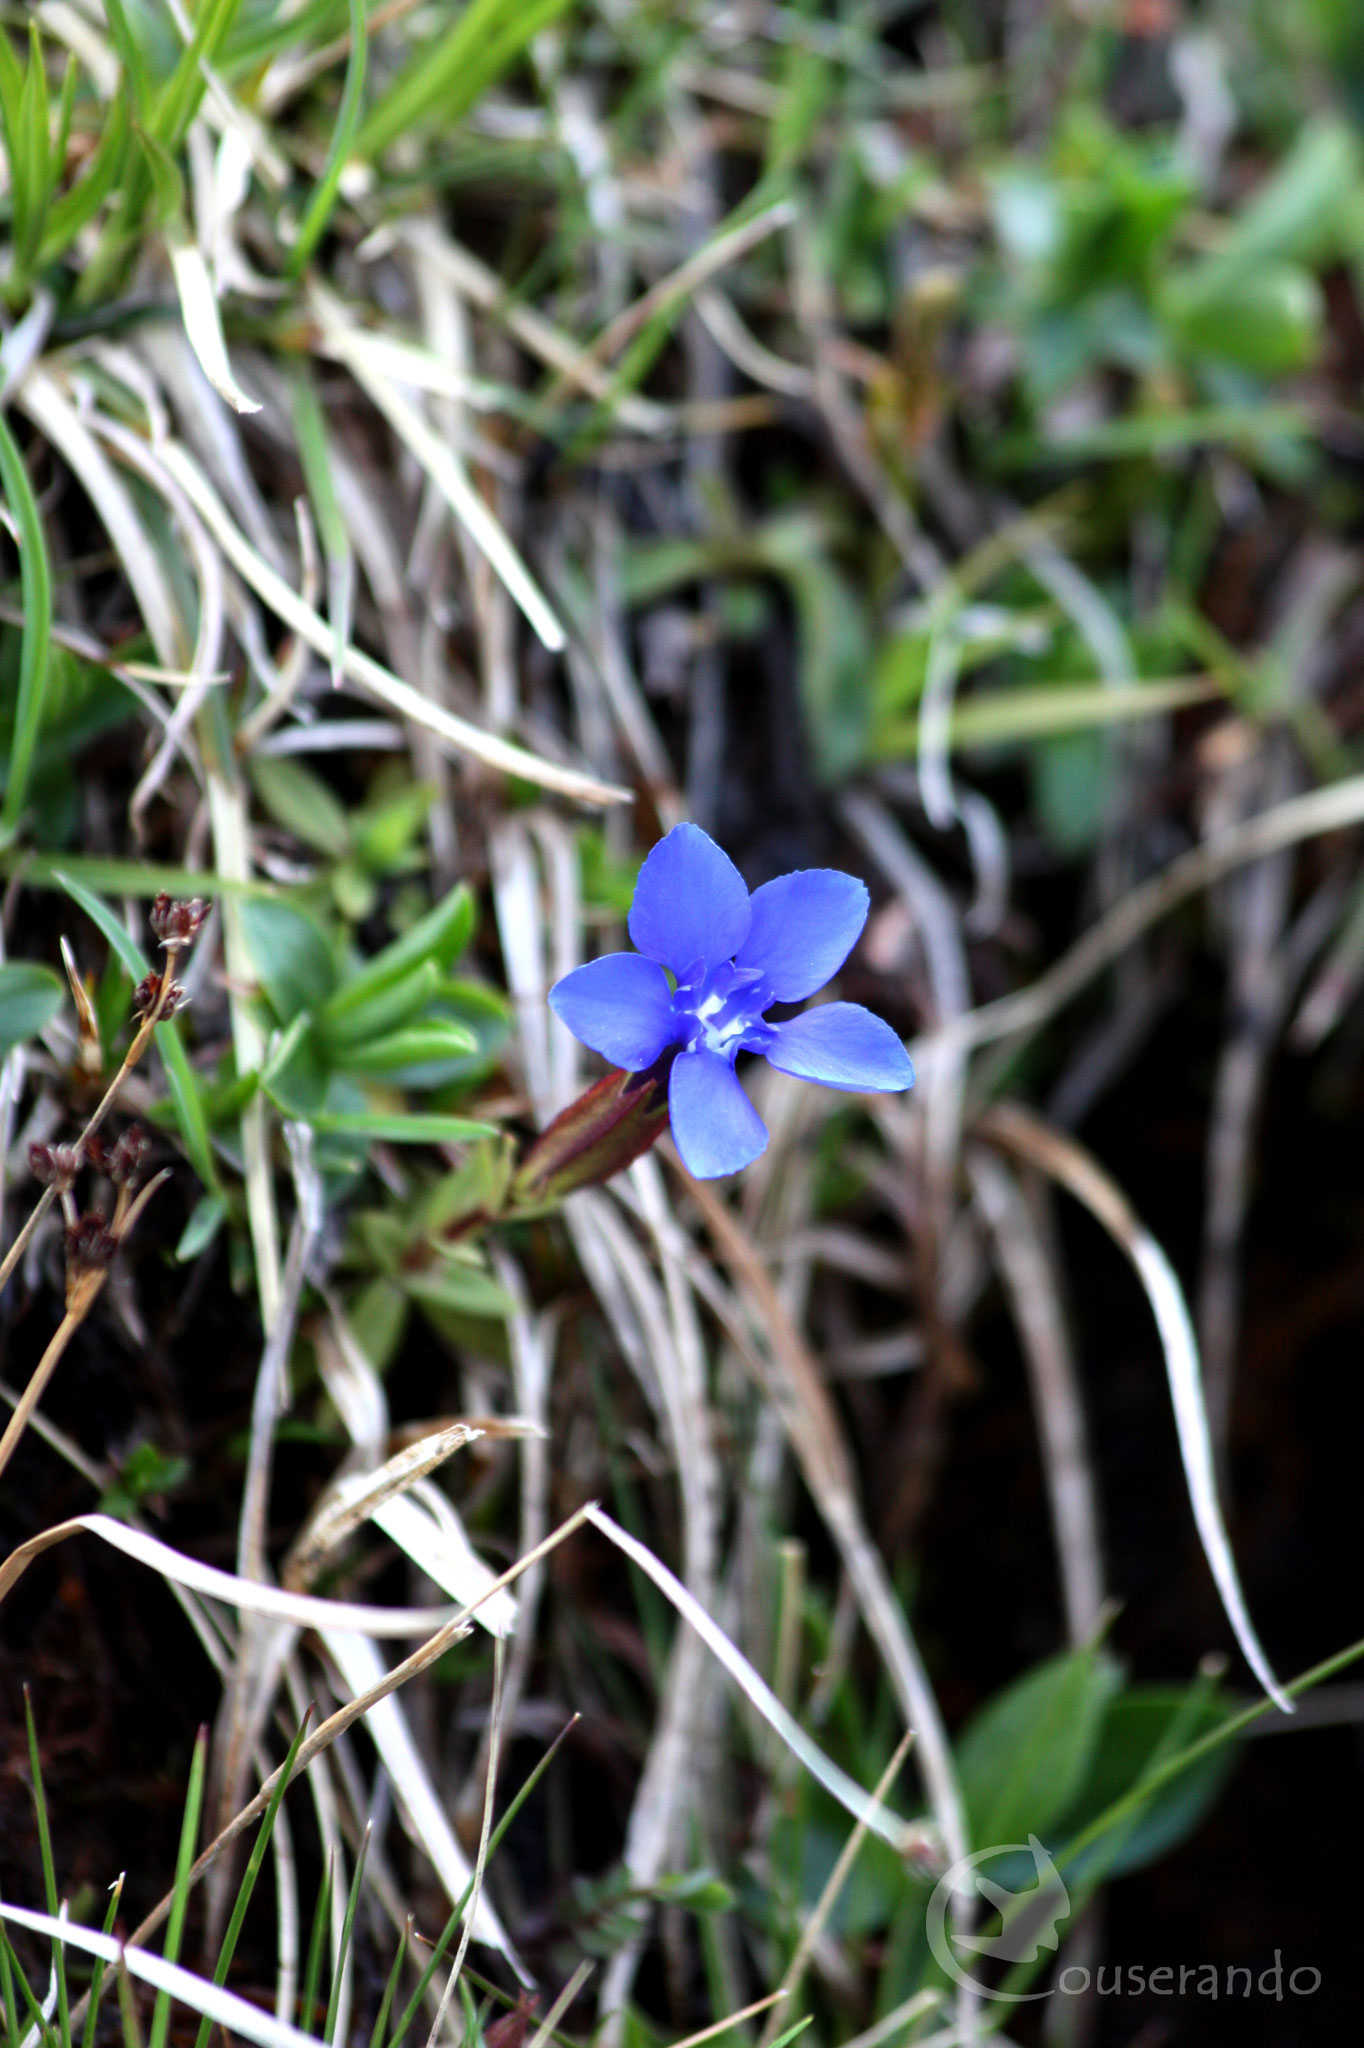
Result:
[621,1006]
[841,1045]
[715,1126]
[691,905]
[804,927]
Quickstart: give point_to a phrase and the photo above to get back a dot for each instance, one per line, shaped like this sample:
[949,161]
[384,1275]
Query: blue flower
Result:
[731,956]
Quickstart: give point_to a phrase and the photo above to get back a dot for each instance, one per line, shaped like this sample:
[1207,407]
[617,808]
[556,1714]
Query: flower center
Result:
[723,1011]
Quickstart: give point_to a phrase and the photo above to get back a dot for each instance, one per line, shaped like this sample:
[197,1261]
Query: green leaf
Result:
[1267,318]
[1023,1758]
[416,1045]
[140,878]
[1297,214]
[135,79]
[383,1012]
[1140,1725]
[301,802]
[385,830]
[184,89]
[115,931]
[441,936]
[167,185]
[80,205]
[296,1075]
[206,1219]
[290,954]
[1001,718]
[30,997]
[447,78]
[48,1863]
[339,149]
[36,588]
[455,1285]
[187,1096]
[175,1925]
[1072,783]
[249,1876]
[400,1128]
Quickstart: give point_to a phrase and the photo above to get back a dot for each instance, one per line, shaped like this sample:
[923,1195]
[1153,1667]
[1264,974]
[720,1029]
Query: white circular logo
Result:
[1030,1919]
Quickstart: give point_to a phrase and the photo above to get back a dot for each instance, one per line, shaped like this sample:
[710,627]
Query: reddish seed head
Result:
[176,924]
[56,1166]
[125,1158]
[151,1000]
[90,1244]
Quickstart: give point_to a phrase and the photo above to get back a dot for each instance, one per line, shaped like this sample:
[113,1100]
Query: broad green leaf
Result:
[378,1315]
[1137,1725]
[1296,215]
[296,1075]
[455,1285]
[290,954]
[416,1045]
[383,1012]
[441,935]
[1264,317]
[1024,1757]
[1072,782]
[385,831]
[301,802]
[30,997]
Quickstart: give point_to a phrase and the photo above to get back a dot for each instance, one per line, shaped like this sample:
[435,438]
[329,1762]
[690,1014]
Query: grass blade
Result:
[386,2002]
[342,142]
[347,1930]
[97,1972]
[447,1933]
[175,1926]
[49,1867]
[254,1863]
[316,1940]
[36,584]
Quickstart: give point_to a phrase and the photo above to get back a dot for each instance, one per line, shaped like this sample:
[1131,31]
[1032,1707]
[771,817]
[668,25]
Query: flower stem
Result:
[47,1365]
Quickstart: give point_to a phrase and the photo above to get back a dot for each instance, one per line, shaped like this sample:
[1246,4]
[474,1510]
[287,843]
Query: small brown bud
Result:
[150,999]
[90,1244]
[124,1159]
[176,924]
[56,1166]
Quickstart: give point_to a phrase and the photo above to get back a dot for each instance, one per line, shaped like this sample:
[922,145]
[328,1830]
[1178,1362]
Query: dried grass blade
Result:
[1335,808]
[442,465]
[236,2014]
[203,322]
[1022,1133]
[901,1835]
[423,1814]
[362,669]
[303,1610]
